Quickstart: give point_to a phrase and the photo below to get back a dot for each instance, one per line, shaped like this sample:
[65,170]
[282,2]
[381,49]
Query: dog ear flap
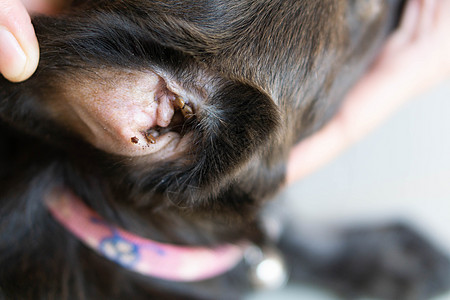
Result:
[241,121]
[234,124]
[124,112]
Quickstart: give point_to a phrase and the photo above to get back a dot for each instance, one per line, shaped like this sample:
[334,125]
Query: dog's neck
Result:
[138,254]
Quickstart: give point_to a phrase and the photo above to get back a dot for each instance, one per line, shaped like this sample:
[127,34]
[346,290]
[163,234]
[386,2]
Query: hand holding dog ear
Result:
[415,58]
[19,49]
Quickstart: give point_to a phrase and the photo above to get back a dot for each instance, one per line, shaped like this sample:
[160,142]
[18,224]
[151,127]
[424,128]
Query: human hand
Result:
[19,50]
[414,58]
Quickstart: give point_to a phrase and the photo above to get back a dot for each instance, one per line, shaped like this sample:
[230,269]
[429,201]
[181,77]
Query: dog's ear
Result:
[123,111]
[91,65]
[239,123]
[95,82]
[234,125]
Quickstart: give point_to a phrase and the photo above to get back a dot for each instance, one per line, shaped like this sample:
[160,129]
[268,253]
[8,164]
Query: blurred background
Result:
[401,171]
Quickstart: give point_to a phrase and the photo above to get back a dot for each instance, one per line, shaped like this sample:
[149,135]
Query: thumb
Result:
[19,50]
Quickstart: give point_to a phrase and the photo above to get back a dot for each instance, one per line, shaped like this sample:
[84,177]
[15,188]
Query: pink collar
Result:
[141,255]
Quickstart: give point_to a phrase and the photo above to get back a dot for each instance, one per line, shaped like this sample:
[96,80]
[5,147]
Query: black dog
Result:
[173,120]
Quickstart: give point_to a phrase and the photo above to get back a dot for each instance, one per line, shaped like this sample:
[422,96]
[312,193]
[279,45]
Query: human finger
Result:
[19,50]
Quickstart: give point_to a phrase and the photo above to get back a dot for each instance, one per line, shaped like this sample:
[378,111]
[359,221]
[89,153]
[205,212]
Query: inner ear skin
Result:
[120,112]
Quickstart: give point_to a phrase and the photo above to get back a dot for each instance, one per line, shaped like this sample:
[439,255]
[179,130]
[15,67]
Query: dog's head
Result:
[192,105]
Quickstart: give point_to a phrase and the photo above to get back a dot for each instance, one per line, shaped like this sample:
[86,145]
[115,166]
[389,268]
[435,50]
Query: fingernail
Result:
[12,58]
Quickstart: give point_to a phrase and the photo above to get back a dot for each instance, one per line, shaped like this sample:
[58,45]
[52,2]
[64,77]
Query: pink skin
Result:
[114,112]
[164,112]
[19,49]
